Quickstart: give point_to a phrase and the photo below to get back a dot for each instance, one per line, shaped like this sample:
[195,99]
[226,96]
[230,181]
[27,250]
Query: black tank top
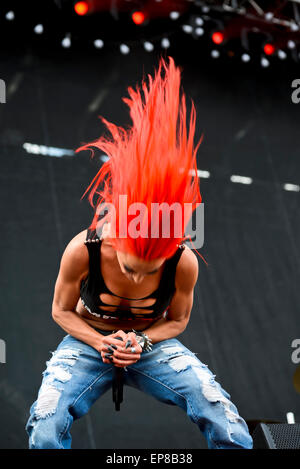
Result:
[92,287]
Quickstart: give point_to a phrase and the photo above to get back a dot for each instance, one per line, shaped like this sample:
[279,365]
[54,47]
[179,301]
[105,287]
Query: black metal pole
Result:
[117,385]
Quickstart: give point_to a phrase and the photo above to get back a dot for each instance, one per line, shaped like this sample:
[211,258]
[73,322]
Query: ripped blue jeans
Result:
[75,377]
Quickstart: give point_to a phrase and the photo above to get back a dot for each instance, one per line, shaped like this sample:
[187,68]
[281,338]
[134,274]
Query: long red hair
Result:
[154,160]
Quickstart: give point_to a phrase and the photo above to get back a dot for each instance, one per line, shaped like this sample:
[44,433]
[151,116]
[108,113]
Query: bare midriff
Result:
[118,283]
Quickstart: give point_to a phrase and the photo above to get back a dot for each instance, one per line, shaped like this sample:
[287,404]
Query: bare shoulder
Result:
[75,258]
[187,270]
[79,239]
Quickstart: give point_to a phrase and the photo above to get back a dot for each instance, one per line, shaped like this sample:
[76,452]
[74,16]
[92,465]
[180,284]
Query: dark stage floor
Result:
[246,304]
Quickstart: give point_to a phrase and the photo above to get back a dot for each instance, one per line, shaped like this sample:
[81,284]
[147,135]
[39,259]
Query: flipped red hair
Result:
[153,161]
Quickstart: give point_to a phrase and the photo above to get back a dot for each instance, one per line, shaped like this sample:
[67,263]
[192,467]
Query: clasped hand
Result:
[114,350]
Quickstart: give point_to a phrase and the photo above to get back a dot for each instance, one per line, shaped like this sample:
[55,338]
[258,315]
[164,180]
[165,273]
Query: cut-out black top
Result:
[92,287]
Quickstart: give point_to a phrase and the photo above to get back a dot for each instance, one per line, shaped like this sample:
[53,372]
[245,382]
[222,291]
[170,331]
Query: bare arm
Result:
[74,267]
[180,308]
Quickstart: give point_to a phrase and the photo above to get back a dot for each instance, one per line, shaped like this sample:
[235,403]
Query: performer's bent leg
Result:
[74,379]
[173,374]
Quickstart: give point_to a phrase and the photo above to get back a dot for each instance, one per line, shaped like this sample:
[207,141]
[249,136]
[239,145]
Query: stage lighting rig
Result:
[265,30]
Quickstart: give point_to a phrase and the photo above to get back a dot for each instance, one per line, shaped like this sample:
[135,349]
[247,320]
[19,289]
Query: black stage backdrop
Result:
[246,302]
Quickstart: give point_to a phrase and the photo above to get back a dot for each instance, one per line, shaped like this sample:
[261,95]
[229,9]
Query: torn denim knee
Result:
[58,372]
[213,393]
[180,360]
[177,358]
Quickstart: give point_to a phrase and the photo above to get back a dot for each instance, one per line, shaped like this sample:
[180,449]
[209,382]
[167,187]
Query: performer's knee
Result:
[46,432]
[49,419]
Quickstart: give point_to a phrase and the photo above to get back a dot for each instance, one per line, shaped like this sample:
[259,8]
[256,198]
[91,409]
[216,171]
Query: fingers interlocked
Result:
[121,354]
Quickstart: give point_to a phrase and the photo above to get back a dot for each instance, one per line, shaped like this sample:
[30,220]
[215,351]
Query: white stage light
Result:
[203,174]
[245,57]
[98,43]
[240,179]
[290,418]
[124,49]
[199,21]
[281,54]
[187,28]
[264,62]
[148,46]
[199,31]
[38,29]
[66,42]
[165,43]
[10,15]
[174,15]
[291,187]
[269,15]
[34,149]
[215,54]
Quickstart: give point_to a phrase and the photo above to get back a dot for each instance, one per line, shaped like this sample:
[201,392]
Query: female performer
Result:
[123,294]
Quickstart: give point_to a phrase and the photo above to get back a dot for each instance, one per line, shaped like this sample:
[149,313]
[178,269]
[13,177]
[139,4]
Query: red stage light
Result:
[269,49]
[217,37]
[138,17]
[81,8]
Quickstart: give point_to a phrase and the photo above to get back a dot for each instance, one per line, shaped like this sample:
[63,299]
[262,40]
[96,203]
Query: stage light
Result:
[81,8]
[203,174]
[264,62]
[98,43]
[199,21]
[104,158]
[245,57]
[291,187]
[138,17]
[165,43]
[199,31]
[200,173]
[269,49]
[38,29]
[269,16]
[241,179]
[215,54]
[217,37]
[148,46]
[291,44]
[281,54]
[187,28]
[124,49]
[290,417]
[66,42]
[34,149]
[174,15]
[294,27]
[10,15]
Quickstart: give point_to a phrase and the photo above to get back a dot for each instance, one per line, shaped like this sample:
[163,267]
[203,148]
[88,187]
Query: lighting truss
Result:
[283,12]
